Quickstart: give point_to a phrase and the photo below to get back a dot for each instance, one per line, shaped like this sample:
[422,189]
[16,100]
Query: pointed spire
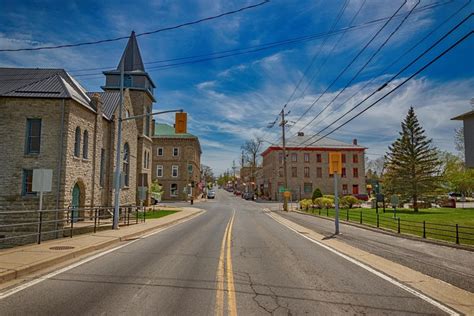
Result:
[131,56]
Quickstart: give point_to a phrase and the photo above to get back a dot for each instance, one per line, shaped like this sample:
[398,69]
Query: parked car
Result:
[211,194]
[237,193]
[362,197]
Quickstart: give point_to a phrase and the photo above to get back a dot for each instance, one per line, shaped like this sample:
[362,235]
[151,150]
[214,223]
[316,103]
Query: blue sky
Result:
[232,99]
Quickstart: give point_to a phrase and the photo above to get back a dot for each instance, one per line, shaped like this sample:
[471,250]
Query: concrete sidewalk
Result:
[23,260]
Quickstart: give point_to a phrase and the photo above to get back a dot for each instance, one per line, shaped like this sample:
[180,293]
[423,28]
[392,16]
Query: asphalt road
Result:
[188,270]
[454,266]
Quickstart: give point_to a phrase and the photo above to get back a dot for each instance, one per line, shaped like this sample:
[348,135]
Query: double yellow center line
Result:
[224,269]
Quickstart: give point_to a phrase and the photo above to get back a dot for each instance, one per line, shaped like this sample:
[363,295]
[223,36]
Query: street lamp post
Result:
[119,146]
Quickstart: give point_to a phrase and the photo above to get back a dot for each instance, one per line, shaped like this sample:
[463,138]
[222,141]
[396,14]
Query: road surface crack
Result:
[258,295]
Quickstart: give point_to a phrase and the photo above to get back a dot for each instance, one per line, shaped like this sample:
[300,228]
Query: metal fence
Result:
[29,226]
[455,233]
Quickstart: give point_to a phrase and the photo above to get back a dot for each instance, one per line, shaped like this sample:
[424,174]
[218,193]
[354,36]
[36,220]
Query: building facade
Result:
[468,130]
[308,168]
[49,121]
[176,163]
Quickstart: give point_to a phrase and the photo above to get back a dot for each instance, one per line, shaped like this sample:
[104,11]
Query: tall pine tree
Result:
[412,165]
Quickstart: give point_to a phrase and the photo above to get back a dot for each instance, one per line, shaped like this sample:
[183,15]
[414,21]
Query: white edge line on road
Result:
[40,279]
[377,273]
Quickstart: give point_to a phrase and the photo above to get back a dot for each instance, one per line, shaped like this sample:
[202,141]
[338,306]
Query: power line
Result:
[399,85]
[384,71]
[336,21]
[318,72]
[395,76]
[363,67]
[262,46]
[340,14]
[141,34]
[351,62]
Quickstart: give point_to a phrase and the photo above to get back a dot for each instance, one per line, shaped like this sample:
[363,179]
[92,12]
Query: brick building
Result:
[48,120]
[308,168]
[176,162]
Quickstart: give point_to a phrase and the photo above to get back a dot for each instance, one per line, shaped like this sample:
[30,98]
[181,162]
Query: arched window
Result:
[77,142]
[126,164]
[85,148]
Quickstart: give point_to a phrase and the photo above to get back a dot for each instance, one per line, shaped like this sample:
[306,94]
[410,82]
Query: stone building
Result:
[176,162]
[308,168]
[49,121]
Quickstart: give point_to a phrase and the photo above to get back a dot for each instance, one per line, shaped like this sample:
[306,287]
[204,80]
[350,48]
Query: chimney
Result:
[300,133]
[354,141]
[97,103]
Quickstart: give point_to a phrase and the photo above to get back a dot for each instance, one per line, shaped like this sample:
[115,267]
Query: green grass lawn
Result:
[440,223]
[158,214]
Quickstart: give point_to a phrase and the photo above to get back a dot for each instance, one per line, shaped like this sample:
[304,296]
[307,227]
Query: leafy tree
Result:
[456,177]
[156,190]
[317,194]
[348,201]
[412,165]
[376,166]
[459,141]
[251,150]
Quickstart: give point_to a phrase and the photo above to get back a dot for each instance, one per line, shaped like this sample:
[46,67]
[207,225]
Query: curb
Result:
[387,232]
[15,274]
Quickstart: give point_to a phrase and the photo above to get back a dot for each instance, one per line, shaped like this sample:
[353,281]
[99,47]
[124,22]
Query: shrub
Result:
[317,194]
[330,197]
[348,201]
[305,204]
[323,202]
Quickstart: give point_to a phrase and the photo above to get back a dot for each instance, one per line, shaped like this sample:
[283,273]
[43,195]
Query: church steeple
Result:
[131,56]
[135,76]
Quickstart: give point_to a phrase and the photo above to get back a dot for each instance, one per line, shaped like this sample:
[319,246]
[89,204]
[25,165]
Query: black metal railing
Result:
[455,233]
[29,226]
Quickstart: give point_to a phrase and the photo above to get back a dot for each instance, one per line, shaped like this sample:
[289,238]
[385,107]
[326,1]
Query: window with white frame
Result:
[159,151]
[174,189]
[159,171]
[174,171]
[175,151]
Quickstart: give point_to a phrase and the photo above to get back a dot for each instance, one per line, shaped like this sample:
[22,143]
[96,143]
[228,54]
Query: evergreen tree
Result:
[317,194]
[412,165]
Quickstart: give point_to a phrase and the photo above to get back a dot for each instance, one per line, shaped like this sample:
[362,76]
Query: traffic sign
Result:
[281,189]
[335,163]
[394,200]
[287,194]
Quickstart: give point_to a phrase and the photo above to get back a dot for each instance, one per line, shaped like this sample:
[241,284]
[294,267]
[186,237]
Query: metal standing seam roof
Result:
[110,100]
[41,83]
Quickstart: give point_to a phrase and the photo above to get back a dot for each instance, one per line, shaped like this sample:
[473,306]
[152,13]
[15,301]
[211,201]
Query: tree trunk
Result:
[415,203]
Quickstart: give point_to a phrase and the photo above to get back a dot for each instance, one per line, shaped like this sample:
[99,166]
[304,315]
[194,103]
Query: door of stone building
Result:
[76,198]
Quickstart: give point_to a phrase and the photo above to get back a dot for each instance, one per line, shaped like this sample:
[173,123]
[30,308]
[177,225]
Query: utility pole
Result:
[233,168]
[285,173]
[118,177]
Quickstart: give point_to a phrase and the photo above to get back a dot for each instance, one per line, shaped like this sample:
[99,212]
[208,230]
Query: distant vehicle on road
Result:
[211,194]
[248,196]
